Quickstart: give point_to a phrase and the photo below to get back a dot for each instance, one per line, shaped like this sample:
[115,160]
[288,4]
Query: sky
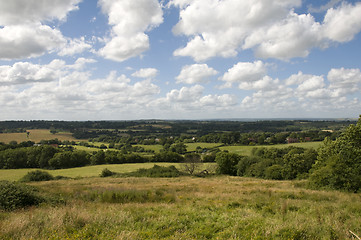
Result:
[179,59]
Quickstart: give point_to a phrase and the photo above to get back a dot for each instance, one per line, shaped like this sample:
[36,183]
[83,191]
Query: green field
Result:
[192,146]
[89,171]
[155,148]
[221,207]
[36,135]
[247,150]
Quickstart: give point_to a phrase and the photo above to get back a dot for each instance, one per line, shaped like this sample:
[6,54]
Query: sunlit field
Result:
[36,135]
[219,207]
[89,171]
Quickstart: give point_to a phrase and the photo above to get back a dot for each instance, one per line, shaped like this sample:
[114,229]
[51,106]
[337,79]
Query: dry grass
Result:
[205,208]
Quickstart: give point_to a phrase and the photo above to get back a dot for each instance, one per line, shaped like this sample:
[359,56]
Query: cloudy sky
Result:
[179,59]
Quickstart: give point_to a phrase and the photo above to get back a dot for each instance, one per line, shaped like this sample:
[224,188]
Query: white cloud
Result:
[31,11]
[186,94]
[292,37]
[23,41]
[80,63]
[25,72]
[75,46]
[343,23]
[245,74]
[345,81]
[308,93]
[271,28]
[146,73]
[196,73]
[129,20]
[225,100]
[311,84]
[24,34]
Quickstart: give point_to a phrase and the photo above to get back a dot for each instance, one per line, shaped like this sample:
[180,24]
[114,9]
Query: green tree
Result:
[338,165]
[227,163]
[179,148]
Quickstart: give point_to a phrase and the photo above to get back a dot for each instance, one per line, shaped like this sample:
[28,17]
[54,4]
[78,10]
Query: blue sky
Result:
[179,59]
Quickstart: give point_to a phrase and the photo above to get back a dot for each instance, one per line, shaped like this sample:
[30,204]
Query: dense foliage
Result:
[37,176]
[338,164]
[270,163]
[16,195]
[156,171]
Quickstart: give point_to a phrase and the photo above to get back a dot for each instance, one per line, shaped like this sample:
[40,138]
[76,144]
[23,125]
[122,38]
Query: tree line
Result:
[335,165]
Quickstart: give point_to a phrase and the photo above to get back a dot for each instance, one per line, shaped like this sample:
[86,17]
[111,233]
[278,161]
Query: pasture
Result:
[81,172]
[36,135]
[220,207]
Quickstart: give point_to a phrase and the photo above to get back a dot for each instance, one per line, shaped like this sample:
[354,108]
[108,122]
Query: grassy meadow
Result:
[220,207]
[36,135]
[81,172]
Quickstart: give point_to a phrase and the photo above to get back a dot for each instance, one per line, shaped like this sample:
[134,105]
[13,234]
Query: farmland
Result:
[36,135]
[89,171]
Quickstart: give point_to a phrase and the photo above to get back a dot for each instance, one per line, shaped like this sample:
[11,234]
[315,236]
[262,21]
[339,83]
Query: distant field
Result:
[193,146]
[247,150]
[155,148]
[90,171]
[36,135]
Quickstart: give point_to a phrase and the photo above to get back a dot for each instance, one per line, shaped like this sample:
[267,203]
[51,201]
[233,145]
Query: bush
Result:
[274,172]
[16,195]
[36,176]
[106,173]
[156,171]
[227,163]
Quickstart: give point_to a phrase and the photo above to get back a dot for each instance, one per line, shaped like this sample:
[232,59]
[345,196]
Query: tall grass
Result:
[200,208]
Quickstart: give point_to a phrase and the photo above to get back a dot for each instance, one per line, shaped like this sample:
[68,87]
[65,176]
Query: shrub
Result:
[36,176]
[106,173]
[227,163]
[156,171]
[16,195]
[274,172]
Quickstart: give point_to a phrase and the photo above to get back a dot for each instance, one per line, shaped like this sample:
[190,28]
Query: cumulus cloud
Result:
[23,33]
[186,94]
[146,73]
[129,20]
[196,73]
[345,81]
[292,37]
[23,41]
[343,23]
[16,12]
[309,93]
[246,74]
[25,72]
[42,89]
[75,46]
[271,28]
[187,101]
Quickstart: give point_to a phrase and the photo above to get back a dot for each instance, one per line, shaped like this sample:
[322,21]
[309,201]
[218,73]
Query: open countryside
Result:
[191,180]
